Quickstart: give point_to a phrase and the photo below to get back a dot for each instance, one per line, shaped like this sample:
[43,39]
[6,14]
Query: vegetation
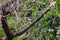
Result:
[47,28]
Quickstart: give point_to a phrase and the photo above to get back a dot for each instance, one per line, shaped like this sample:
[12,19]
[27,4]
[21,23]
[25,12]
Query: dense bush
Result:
[48,28]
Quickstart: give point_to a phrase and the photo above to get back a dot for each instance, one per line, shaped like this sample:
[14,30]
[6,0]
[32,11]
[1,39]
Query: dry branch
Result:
[36,20]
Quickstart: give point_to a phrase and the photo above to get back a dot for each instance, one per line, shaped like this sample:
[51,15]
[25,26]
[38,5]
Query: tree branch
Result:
[37,19]
[5,26]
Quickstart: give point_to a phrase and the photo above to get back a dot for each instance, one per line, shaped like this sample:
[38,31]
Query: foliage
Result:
[48,28]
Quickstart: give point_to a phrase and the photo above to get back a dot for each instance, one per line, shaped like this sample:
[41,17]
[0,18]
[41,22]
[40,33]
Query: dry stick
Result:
[37,19]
